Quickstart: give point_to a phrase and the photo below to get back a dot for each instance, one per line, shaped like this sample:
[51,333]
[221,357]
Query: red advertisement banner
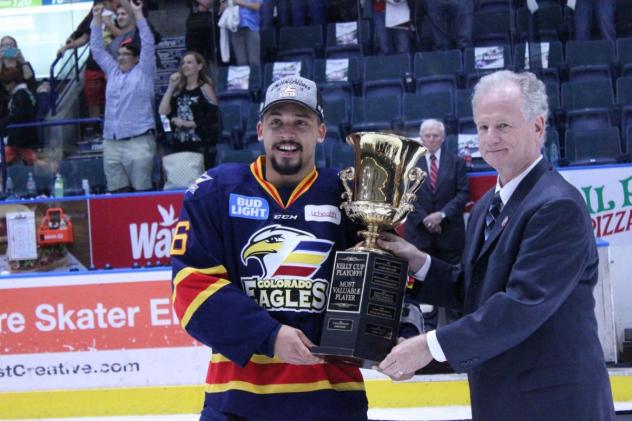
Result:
[130,230]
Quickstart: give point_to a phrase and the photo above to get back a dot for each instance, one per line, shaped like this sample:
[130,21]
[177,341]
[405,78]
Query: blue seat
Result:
[551,147]
[305,71]
[333,90]
[601,146]
[337,49]
[492,28]
[385,75]
[232,123]
[555,60]
[420,107]
[228,95]
[300,42]
[437,71]
[589,60]
[342,156]
[376,113]
[337,118]
[624,100]
[585,109]
[624,52]
[463,108]
[474,68]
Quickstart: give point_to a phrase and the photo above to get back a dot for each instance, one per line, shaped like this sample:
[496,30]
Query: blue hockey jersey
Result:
[245,262]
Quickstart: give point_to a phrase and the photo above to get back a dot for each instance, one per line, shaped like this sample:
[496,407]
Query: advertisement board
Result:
[133,229]
[93,331]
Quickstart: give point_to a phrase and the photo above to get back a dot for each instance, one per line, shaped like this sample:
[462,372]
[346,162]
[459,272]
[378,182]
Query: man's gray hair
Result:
[432,122]
[534,96]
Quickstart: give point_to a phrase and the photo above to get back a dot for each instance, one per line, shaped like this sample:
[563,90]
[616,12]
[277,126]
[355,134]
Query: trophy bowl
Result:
[384,181]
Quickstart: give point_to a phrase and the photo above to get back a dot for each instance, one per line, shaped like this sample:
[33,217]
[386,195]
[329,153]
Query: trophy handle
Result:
[346,176]
[416,176]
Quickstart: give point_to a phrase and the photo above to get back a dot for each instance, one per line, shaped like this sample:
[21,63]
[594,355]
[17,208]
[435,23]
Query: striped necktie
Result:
[492,213]
[434,172]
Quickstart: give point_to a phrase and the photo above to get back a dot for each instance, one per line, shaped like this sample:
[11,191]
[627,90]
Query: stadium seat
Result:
[589,60]
[551,146]
[601,146]
[228,95]
[587,104]
[300,42]
[332,90]
[268,44]
[624,51]
[337,49]
[337,118]
[623,18]
[232,123]
[306,70]
[250,134]
[437,71]
[385,76]
[493,5]
[474,69]
[342,156]
[245,156]
[417,108]
[624,101]
[376,113]
[492,28]
[451,144]
[547,69]
[463,108]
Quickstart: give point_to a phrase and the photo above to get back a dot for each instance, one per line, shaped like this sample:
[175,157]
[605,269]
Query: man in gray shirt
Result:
[129,127]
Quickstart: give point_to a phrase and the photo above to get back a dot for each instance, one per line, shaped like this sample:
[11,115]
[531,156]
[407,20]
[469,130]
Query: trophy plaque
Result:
[368,284]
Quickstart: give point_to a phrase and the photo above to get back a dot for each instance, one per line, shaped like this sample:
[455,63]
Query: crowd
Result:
[119,77]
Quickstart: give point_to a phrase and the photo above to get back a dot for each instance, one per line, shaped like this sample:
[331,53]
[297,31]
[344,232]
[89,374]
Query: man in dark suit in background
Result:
[528,338]
[436,225]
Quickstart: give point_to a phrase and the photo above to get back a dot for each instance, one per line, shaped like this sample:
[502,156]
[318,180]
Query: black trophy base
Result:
[337,355]
[361,323]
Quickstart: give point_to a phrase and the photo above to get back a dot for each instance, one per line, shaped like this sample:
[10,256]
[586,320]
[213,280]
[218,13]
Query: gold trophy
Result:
[368,284]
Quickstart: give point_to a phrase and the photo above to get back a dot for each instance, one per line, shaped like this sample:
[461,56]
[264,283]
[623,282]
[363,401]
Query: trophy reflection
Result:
[367,286]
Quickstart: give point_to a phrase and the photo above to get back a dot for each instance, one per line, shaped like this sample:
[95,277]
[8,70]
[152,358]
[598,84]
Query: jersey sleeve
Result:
[211,307]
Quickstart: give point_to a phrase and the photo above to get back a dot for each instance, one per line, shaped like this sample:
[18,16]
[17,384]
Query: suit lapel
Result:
[424,166]
[509,209]
[443,167]
[479,226]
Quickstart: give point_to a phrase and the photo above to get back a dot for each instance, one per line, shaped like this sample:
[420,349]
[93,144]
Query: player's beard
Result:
[286,169]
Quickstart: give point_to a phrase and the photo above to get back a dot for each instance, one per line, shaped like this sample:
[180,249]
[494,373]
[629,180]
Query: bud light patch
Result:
[248,207]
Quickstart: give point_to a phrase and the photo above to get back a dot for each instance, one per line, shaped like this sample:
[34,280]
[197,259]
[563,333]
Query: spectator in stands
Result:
[129,127]
[128,32]
[21,108]
[245,42]
[94,85]
[201,28]
[391,19]
[190,104]
[452,22]
[13,66]
[436,224]
[296,12]
[603,11]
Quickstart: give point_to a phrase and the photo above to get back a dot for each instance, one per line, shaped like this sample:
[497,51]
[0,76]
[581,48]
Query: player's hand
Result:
[293,347]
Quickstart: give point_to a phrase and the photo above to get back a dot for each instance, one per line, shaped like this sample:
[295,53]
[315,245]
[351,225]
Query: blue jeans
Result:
[294,12]
[390,40]
[604,11]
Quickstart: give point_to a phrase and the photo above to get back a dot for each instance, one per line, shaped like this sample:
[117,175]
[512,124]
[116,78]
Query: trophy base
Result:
[337,355]
[366,295]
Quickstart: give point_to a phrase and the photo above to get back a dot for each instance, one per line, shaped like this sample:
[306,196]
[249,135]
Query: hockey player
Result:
[252,255]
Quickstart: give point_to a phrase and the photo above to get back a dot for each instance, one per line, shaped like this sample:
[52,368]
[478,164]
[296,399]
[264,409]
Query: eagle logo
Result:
[285,252]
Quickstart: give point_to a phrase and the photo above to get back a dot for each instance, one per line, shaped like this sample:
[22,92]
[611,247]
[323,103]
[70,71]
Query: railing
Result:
[70,70]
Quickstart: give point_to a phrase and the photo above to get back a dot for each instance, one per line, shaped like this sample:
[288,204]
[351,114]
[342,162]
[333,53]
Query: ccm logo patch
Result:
[322,213]
[248,207]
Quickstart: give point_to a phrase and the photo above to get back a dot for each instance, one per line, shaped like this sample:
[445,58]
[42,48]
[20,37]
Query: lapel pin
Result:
[502,224]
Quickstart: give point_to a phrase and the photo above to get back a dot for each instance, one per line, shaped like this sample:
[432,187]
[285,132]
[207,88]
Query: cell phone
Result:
[166,125]
[10,52]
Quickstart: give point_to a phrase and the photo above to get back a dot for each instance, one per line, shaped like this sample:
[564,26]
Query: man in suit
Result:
[436,225]
[528,338]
